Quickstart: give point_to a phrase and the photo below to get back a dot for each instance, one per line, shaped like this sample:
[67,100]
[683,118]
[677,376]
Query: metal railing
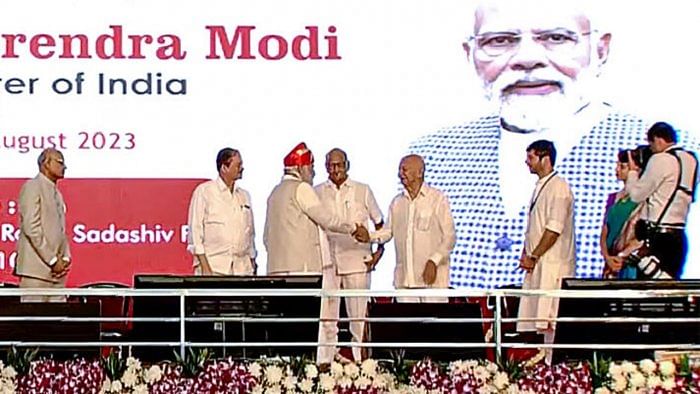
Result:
[497,321]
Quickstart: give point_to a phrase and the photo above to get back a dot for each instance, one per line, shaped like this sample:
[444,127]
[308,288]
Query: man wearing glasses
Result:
[43,253]
[539,62]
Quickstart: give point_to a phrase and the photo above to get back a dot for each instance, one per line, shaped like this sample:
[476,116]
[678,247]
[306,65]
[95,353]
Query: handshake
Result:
[361,234]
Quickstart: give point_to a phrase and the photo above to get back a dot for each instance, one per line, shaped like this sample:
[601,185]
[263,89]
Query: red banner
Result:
[118,228]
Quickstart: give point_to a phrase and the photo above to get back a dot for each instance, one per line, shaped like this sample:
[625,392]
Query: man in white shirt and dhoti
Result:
[221,230]
[350,261]
[421,224]
[549,253]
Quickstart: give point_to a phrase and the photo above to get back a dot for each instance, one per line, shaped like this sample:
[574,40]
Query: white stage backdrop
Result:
[190,78]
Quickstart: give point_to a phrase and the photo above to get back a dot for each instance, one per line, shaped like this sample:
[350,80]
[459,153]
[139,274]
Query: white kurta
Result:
[353,202]
[221,228]
[422,229]
[552,208]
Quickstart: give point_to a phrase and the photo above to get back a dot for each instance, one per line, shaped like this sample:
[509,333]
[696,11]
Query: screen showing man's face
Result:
[534,61]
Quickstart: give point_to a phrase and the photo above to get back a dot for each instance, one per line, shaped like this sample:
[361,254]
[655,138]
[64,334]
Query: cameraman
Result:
[668,187]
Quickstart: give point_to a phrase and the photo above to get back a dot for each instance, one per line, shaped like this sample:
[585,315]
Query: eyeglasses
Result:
[337,165]
[502,43]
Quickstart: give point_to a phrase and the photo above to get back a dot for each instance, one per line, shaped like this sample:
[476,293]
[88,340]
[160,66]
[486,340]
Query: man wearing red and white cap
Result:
[294,213]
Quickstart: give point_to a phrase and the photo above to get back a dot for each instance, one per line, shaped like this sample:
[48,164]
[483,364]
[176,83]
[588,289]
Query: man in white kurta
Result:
[350,261]
[221,230]
[549,251]
[421,224]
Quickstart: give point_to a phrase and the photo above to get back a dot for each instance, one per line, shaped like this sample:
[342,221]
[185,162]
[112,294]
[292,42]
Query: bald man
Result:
[43,254]
[421,224]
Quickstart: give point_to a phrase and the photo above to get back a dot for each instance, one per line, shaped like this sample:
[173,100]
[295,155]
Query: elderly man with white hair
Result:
[538,62]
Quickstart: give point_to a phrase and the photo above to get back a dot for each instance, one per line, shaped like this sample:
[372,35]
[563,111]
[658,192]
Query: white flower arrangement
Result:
[647,366]
[337,370]
[369,368]
[153,374]
[667,368]
[615,370]
[483,377]
[306,385]
[311,371]
[351,370]
[628,367]
[326,382]
[637,380]
[8,379]
[368,377]
[134,380]
[273,374]
[668,384]
[255,369]
[364,377]
[647,376]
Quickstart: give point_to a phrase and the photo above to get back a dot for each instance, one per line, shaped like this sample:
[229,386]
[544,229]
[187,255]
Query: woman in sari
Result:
[617,238]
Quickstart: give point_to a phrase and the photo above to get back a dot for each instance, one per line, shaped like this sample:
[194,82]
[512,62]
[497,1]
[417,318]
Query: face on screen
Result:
[538,61]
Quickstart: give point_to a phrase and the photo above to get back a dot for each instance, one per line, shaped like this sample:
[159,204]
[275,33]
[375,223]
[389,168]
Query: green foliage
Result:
[684,367]
[513,368]
[194,361]
[21,360]
[297,364]
[400,367]
[114,365]
[599,370]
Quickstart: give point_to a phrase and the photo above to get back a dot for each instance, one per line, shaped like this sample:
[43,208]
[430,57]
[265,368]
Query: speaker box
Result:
[219,330]
[428,330]
[648,333]
[52,331]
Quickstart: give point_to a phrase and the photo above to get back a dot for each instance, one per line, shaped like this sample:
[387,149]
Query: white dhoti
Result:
[227,264]
[541,311]
[356,308]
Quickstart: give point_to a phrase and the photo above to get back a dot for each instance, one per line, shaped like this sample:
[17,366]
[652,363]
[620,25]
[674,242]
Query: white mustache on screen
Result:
[507,81]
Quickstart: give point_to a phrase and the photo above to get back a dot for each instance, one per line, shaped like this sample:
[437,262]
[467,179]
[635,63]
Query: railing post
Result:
[182,325]
[497,327]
